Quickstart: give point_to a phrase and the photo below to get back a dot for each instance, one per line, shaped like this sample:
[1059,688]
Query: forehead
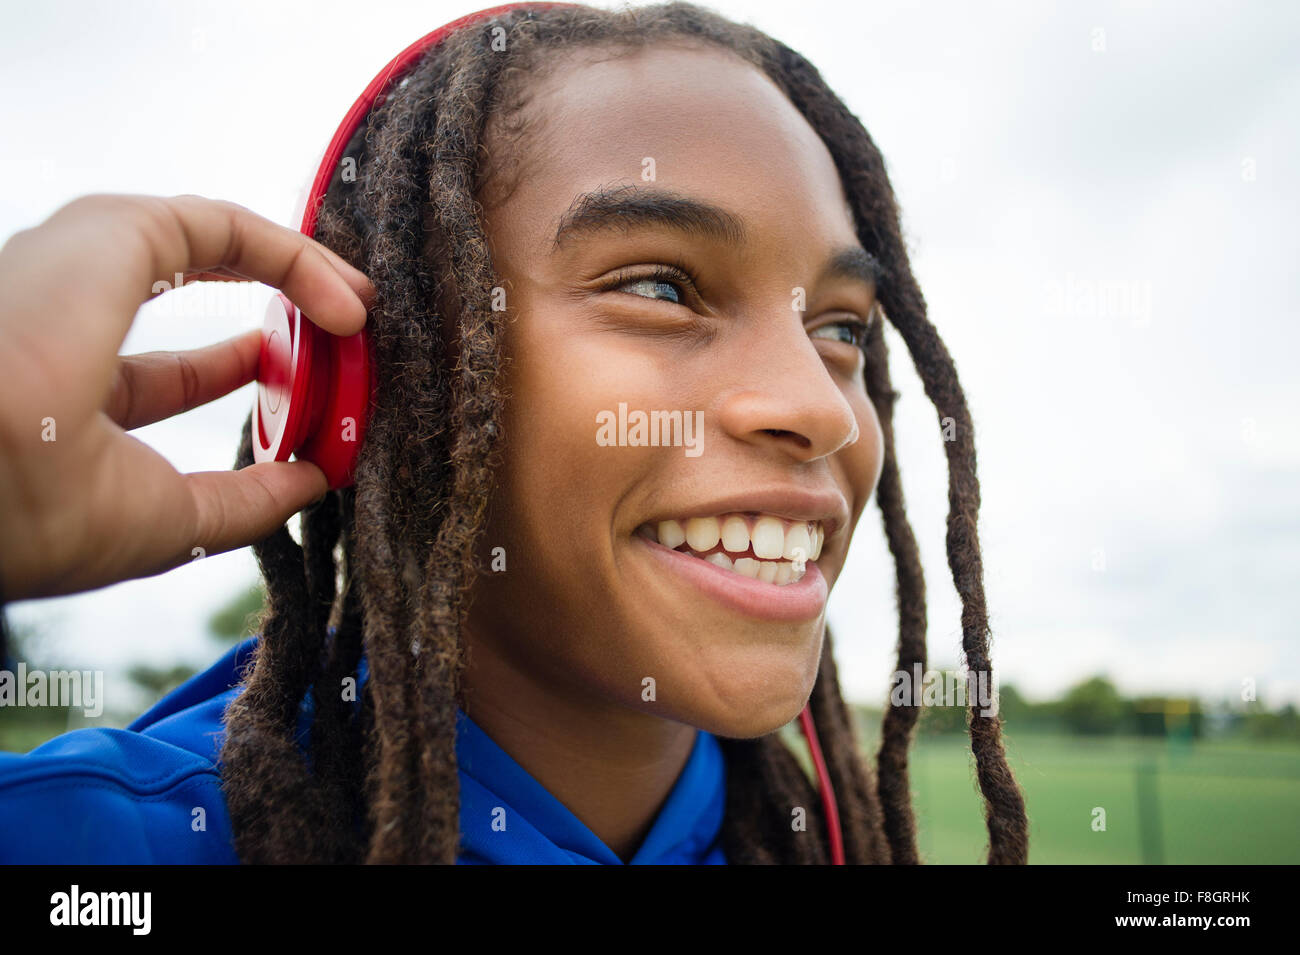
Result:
[706,123]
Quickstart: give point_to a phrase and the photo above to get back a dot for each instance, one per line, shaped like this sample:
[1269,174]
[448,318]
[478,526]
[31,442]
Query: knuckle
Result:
[125,393]
[17,241]
[91,205]
[234,207]
[189,381]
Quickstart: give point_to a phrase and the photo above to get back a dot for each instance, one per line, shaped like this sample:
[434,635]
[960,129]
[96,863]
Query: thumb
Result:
[237,508]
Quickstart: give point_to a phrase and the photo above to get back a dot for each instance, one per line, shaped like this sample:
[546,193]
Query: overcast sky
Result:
[1100,203]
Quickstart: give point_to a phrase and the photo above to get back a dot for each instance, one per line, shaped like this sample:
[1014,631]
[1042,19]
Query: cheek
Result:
[548,484]
[557,487]
[562,608]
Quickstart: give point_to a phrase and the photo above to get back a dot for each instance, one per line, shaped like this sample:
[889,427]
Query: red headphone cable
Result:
[824,783]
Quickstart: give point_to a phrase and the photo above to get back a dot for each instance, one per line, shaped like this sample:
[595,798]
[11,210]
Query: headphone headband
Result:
[375,94]
[313,396]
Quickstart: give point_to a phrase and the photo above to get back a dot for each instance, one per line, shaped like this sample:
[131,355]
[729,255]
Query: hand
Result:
[83,504]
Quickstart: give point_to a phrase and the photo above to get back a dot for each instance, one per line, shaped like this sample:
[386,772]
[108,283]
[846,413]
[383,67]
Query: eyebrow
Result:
[853,262]
[627,207]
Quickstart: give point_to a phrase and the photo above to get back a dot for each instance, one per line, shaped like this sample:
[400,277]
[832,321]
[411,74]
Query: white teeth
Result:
[768,538]
[702,533]
[671,534]
[735,534]
[780,554]
[720,559]
[797,538]
[779,572]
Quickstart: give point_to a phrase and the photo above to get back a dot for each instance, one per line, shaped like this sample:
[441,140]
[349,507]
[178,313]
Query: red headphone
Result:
[314,388]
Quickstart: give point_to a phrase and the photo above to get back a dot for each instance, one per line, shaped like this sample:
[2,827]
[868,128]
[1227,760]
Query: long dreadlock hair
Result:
[385,567]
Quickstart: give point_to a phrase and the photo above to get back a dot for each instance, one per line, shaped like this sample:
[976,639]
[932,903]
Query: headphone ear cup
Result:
[313,395]
[341,403]
[282,376]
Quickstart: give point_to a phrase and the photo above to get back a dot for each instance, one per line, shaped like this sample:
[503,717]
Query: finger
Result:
[157,385]
[357,280]
[82,275]
[237,508]
[212,275]
[224,235]
[119,246]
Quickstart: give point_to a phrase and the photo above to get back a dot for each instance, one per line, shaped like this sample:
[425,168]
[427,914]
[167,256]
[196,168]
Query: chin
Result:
[728,707]
[766,717]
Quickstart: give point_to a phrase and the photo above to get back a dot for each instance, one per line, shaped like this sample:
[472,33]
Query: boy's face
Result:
[592,604]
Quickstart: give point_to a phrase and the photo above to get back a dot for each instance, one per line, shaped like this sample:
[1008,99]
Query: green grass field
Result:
[1216,801]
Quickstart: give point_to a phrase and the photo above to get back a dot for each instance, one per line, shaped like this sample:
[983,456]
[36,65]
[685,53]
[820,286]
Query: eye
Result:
[853,331]
[651,288]
[662,282]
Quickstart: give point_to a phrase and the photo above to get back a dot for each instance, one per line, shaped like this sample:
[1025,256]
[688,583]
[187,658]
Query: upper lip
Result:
[792,503]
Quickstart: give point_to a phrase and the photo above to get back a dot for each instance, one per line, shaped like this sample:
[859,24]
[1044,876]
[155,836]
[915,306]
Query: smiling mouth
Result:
[759,546]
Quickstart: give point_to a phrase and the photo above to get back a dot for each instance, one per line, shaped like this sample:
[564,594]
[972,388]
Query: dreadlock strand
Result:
[767,793]
[261,721]
[336,733]
[1005,810]
[475,418]
[899,720]
[395,502]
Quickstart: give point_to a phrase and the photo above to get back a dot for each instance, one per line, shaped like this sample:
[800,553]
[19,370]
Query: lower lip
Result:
[795,602]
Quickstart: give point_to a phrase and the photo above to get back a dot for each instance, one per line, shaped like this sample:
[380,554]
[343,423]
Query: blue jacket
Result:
[151,794]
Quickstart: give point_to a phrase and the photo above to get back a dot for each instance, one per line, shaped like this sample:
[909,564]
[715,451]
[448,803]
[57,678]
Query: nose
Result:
[784,397]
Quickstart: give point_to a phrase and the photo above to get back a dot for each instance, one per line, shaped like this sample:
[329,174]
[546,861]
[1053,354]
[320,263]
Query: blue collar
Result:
[493,787]
[508,818]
